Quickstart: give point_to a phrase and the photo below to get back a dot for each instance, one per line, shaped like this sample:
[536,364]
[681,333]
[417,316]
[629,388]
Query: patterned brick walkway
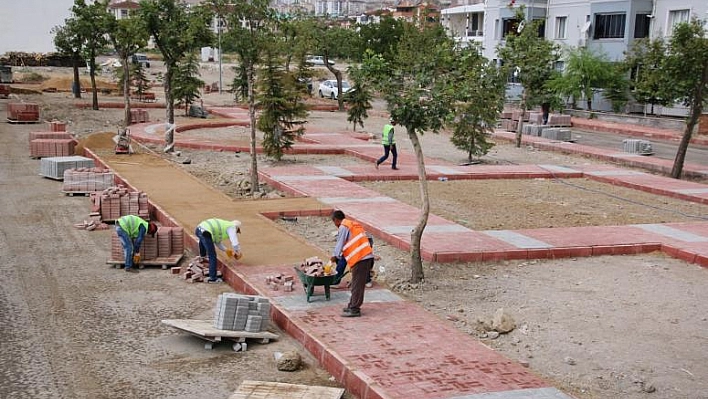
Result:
[398,350]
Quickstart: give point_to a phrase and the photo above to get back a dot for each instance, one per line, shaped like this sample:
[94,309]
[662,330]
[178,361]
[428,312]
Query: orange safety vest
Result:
[357,246]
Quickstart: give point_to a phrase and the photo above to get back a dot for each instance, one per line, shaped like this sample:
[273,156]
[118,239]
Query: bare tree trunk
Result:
[77,82]
[338,75]
[92,74]
[250,77]
[417,233]
[520,126]
[170,110]
[696,111]
[126,90]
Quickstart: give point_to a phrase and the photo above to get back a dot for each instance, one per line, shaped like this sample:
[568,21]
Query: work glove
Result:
[136,259]
[230,253]
[238,255]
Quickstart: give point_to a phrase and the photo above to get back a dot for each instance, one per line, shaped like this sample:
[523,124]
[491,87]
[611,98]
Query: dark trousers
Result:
[360,272]
[207,248]
[342,266]
[387,149]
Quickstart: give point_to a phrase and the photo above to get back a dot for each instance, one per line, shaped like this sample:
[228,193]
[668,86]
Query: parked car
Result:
[328,88]
[318,60]
[141,59]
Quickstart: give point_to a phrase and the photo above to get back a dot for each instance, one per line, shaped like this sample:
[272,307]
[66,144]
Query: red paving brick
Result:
[398,350]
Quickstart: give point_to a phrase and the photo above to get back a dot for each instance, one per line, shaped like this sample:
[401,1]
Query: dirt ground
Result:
[607,327]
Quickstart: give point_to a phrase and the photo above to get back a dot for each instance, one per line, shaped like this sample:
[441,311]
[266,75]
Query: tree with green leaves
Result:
[359,98]
[531,57]
[419,92]
[586,73]
[616,88]
[186,82]
[91,26]
[127,36]
[282,113]
[645,59]
[381,38]
[250,25]
[177,29]
[481,94]
[140,81]
[68,42]
[687,68]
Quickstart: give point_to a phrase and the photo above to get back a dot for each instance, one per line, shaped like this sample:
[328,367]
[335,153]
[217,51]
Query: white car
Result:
[328,88]
[318,60]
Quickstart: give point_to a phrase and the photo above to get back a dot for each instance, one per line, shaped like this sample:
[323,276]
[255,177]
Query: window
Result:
[509,26]
[560,27]
[609,26]
[676,17]
[641,26]
[124,13]
[496,29]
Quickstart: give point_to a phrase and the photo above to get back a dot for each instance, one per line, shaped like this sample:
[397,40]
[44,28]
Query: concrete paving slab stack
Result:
[241,312]
[54,167]
[86,180]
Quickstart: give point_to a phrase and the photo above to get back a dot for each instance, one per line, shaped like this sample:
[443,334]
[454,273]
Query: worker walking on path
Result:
[389,145]
[211,233]
[131,230]
[353,245]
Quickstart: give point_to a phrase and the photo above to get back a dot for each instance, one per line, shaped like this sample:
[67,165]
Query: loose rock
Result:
[289,361]
[502,321]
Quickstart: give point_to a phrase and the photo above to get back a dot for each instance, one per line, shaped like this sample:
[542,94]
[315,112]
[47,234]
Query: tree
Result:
[585,74]
[381,38]
[140,81]
[281,109]
[419,97]
[616,88]
[91,26]
[480,93]
[532,58]
[645,59]
[186,82]
[687,68]
[177,29]
[330,40]
[127,35]
[250,23]
[68,42]
[359,98]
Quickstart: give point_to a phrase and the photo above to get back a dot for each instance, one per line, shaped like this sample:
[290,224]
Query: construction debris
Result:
[315,267]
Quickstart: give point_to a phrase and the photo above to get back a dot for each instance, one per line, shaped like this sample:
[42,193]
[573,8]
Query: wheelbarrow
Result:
[310,282]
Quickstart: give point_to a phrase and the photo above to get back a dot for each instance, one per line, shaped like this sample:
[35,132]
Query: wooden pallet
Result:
[205,330]
[18,122]
[165,263]
[278,390]
[78,193]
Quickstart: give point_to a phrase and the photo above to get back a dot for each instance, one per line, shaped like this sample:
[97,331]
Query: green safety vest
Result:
[217,228]
[386,130]
[131,225]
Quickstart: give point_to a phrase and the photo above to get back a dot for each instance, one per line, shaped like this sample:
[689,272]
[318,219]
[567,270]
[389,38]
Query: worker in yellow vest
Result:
[131,231]
[211,233]
[353,245]
[389,145]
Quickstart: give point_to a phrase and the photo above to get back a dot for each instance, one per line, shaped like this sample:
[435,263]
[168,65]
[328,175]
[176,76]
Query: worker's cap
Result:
[237,223]
[152,229]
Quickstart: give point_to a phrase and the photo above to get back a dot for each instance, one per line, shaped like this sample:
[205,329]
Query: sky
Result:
[25,25]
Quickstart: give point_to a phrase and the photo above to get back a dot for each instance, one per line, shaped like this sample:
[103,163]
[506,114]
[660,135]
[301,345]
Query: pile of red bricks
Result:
[57,126]
[23,112]
[5,91]
[139,116]
[53,147]
[87,180]
[167,243]
[274,282]
[114,202]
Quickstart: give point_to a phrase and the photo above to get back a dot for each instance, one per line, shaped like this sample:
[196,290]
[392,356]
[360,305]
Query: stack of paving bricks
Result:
[536,118]
[242,313]
[57,126]
[54,167]
[23,112]
[167,244]
[139,116]
[59,145]
[115,202]
[87,180]
[558,120]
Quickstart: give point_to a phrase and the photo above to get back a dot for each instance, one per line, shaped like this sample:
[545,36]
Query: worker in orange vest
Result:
[353,245]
